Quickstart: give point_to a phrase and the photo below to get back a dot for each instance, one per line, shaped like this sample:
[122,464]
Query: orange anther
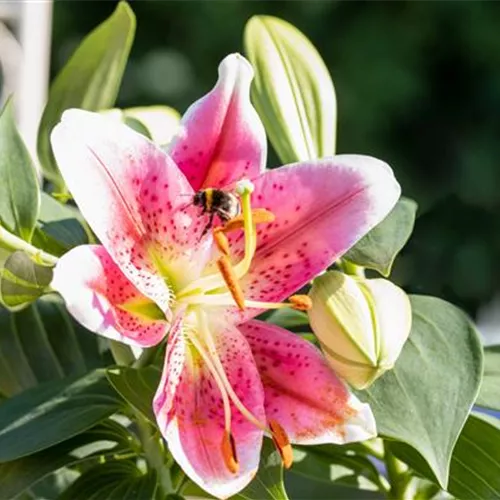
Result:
[228,448]
[227,272]
[221,241]
[300,302]
[282,443]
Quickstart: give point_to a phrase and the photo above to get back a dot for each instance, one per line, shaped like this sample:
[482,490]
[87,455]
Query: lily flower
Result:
[228,379]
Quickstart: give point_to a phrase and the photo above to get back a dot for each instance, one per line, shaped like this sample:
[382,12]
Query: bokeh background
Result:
[418,85]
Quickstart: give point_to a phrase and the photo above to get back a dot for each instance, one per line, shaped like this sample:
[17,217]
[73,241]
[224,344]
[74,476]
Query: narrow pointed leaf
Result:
[136,386]
[90,80]
[107,438]
[292,91]
[54,412]
[378,249]
[22,280]
[60,227]
[19,196]
[440,368]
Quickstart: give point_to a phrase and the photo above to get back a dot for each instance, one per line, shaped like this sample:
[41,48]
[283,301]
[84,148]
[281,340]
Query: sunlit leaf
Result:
[90,80]
[378,249]
[19,197]
[489,395]
[292,90]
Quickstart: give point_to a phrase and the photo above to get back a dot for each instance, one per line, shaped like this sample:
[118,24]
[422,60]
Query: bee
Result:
[216,202]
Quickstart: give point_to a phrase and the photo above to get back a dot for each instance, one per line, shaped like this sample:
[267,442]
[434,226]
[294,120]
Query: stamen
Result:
[215,374]
[229,453]
[221,241]
[282,443]
[207,337]
[228,273]
[260,216]
[301,302]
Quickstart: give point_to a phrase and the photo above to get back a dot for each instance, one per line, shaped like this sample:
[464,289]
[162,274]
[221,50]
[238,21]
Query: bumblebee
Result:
[216,202]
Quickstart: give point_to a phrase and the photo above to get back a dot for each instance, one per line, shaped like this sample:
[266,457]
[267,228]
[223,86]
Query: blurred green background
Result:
[418,85]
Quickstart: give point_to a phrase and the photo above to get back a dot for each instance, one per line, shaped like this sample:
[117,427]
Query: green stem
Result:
[151,442]
[147,357]
[13,242]
[155,454]
[397,473]
[351,269]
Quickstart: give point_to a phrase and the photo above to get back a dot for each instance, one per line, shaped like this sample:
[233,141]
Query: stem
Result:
[351,269]
[13,242]
[146,358]
[397,473]
[151,444]
[155,455]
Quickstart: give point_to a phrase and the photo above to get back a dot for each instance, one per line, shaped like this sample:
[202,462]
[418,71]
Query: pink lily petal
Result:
[222,138]
[322,208]
[134,197]
[97,294]
[189,411]
[302,393]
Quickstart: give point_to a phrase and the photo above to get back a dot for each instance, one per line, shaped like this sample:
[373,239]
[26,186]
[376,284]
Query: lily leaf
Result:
[54,412]
[439,368]
[105,439]
[41,343]
[60,227]
[292,91]
[111,480]
[378,249]
[90,80]
[489,395]
[22,280]
[137,386]
[19,197]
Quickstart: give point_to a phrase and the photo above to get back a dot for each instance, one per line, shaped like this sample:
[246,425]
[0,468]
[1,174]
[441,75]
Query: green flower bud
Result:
[362,324]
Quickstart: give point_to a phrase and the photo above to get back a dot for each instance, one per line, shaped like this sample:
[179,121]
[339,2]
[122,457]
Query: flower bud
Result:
[362,324]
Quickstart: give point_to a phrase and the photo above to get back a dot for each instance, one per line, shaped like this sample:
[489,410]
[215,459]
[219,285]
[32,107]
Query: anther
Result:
[231,280]
[228,448]
[221,241]
[259,216]
[300,302]
[282,443]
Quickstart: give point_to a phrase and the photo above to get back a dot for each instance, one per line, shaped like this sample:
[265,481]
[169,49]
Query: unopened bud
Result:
[362,324]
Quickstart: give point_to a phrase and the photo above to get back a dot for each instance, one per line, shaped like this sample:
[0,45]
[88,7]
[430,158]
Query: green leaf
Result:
[54,412]
[60,227]
[162,122]
[475,463]
[288,318]
[425,400]
[106,439]
[19,197]
[292,90]
[137,386]
[378,249]
[489,394]
[90,80]
[22,280]
[41,343]
[119,480]
[335,465]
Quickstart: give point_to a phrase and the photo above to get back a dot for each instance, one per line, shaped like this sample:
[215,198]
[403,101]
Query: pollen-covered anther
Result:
[228,448]
[259,216]
[221,241]
[300,302]
[282,443]
[231,280]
